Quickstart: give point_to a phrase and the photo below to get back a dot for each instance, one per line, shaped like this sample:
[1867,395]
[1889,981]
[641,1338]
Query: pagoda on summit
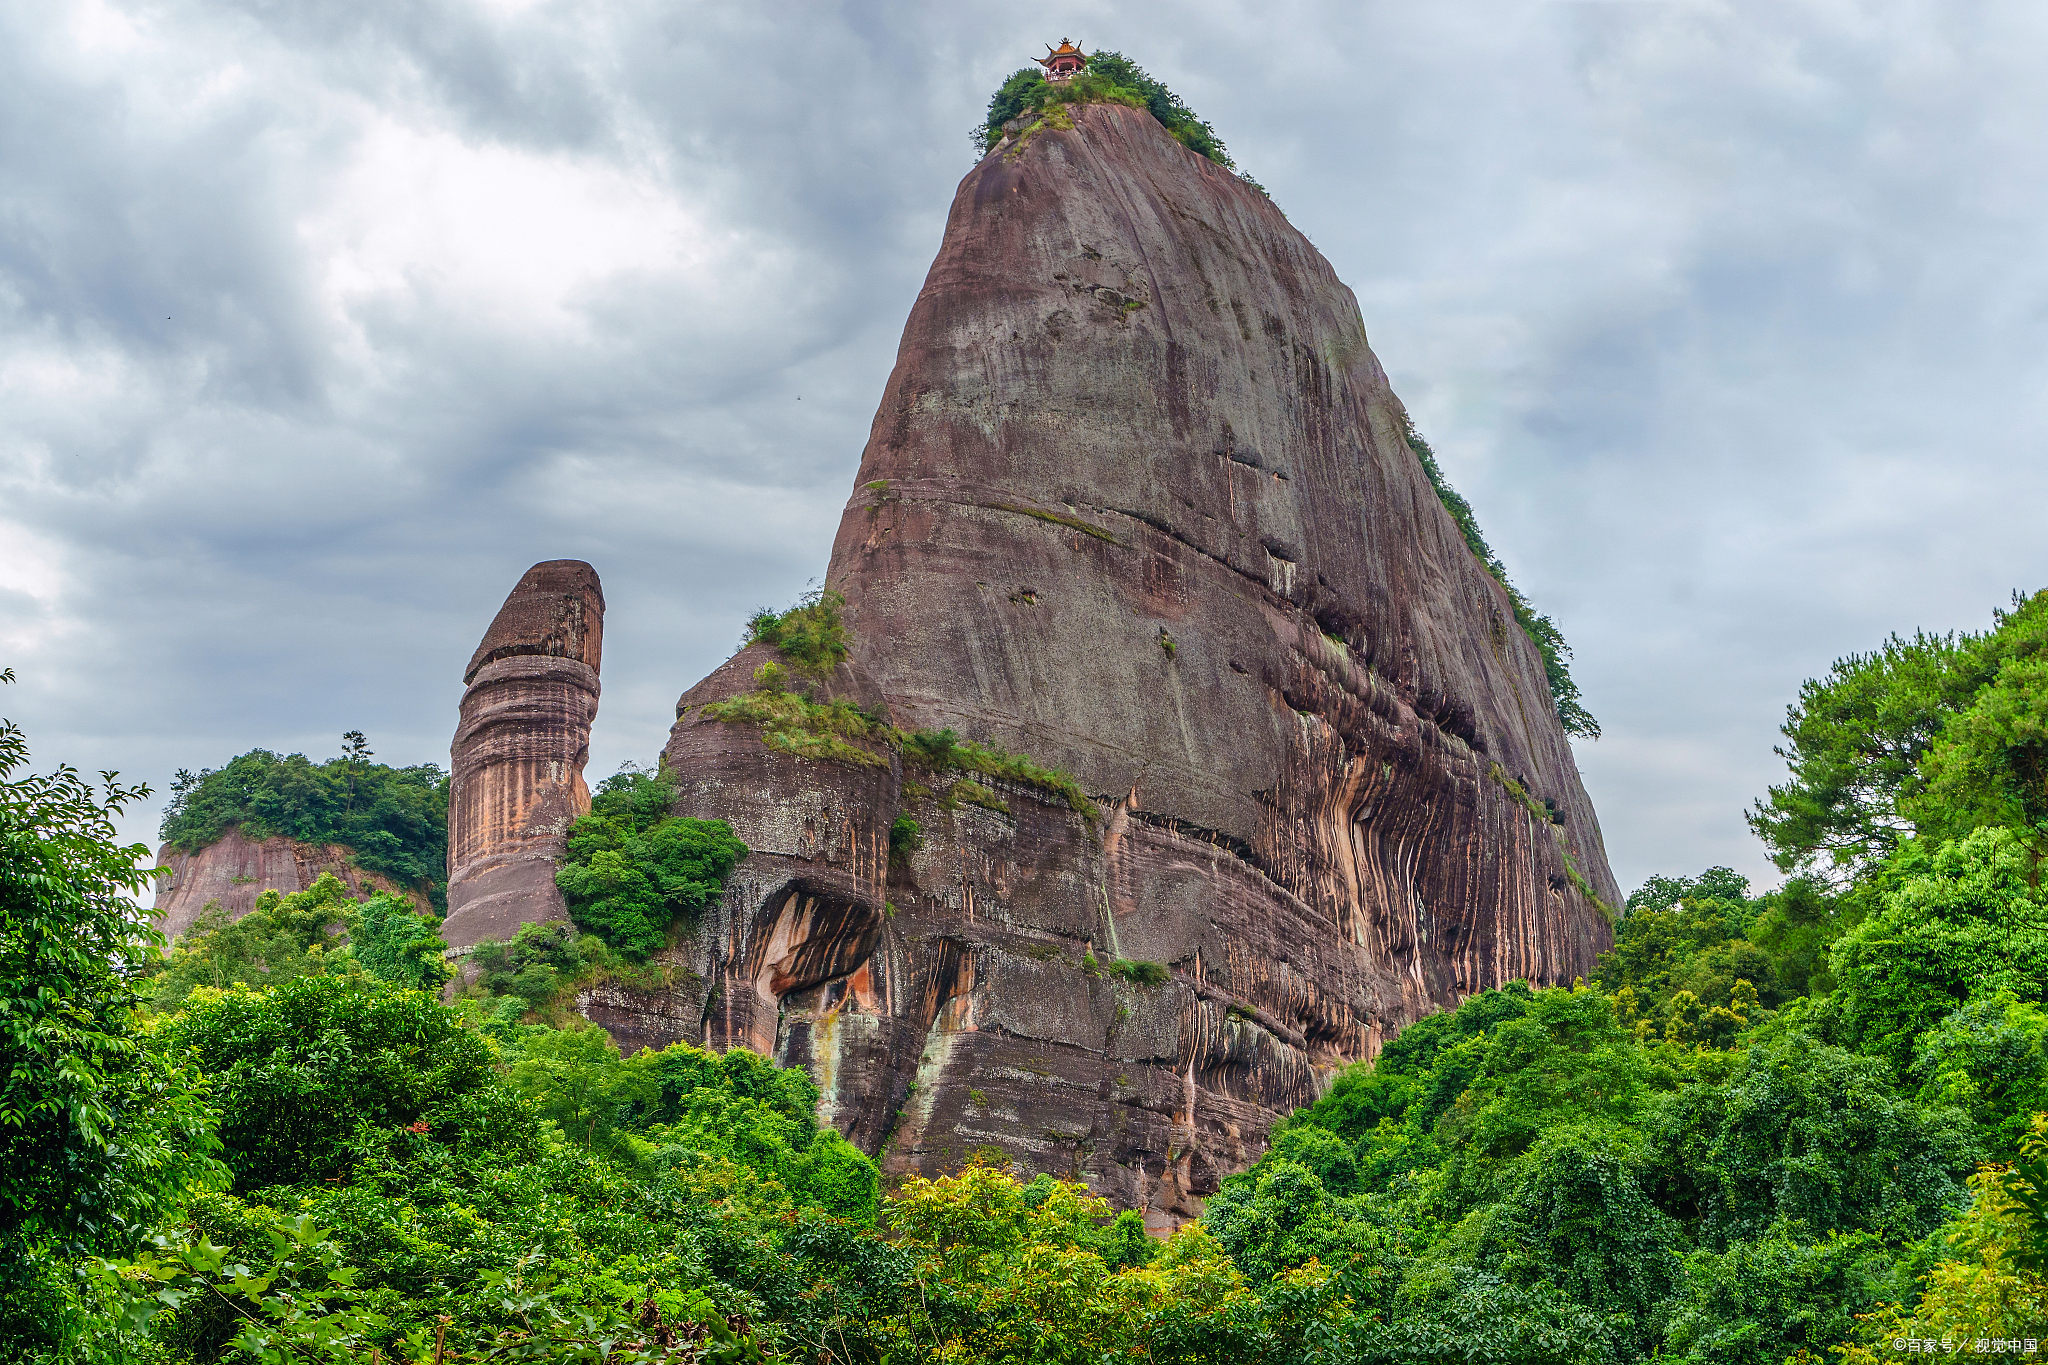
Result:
[1063,61]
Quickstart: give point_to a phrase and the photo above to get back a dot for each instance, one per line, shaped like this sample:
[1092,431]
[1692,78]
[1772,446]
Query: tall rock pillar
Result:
[519,751]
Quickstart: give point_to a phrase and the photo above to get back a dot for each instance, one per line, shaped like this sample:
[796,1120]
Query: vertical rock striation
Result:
[517,760]
[1137,503]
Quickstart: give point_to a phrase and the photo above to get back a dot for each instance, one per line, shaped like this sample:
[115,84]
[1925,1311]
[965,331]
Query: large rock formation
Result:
[234,870]
[1137,503]
[517,760]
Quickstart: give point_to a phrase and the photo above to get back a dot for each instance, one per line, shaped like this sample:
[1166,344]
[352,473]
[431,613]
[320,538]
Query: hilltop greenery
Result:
[1112,77]
[395,820]
[811,635]
[1109,77]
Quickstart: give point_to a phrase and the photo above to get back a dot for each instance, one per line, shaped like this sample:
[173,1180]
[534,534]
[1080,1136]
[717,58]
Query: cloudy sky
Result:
[320,321]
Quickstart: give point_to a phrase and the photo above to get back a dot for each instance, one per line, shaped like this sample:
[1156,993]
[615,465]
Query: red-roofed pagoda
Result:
[1064,61]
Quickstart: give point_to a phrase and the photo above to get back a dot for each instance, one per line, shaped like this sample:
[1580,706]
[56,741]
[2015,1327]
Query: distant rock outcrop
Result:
[518,756]
[1138,504]
[235,870]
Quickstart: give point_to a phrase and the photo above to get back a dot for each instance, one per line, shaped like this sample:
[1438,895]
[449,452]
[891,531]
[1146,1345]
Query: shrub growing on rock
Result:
[633,869]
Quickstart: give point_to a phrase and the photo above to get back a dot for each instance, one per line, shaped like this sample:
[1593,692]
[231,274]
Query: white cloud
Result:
[508,238]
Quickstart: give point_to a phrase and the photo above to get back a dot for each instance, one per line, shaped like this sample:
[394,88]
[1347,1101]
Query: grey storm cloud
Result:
[320,322]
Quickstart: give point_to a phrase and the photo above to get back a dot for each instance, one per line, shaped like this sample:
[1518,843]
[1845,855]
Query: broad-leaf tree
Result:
[99,1135]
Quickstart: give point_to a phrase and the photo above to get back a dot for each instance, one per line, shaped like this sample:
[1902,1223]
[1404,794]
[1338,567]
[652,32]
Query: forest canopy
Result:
[1928,737]
[1799,1125]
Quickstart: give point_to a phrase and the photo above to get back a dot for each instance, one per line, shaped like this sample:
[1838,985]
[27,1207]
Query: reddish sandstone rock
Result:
[234,870]
[1137,503]
[517,760]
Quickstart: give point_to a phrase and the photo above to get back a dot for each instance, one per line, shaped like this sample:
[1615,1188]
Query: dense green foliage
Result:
[1930,736]
[320,931]
[510,1183]
[633,869]
[1797,1126]
[1108,76]
[396,943]
[1541,630]
[303,1070]
[1965,920]
[99,1134]
[1532,1168]
[536,965]
[395,820]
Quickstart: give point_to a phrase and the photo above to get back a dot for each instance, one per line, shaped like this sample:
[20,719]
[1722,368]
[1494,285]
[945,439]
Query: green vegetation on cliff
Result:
[1541,630]
[633,869]
[811,640]
[321,931]
[394,819]
[811,635]
[942,750]
[794,724]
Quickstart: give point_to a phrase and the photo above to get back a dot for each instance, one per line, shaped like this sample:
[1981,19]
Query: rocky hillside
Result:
[236,869]
[267,821]
[1137,504]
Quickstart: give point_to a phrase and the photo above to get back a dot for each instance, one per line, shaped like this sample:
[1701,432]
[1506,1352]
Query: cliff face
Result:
[1137,503]
[517,760]
[235,870]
